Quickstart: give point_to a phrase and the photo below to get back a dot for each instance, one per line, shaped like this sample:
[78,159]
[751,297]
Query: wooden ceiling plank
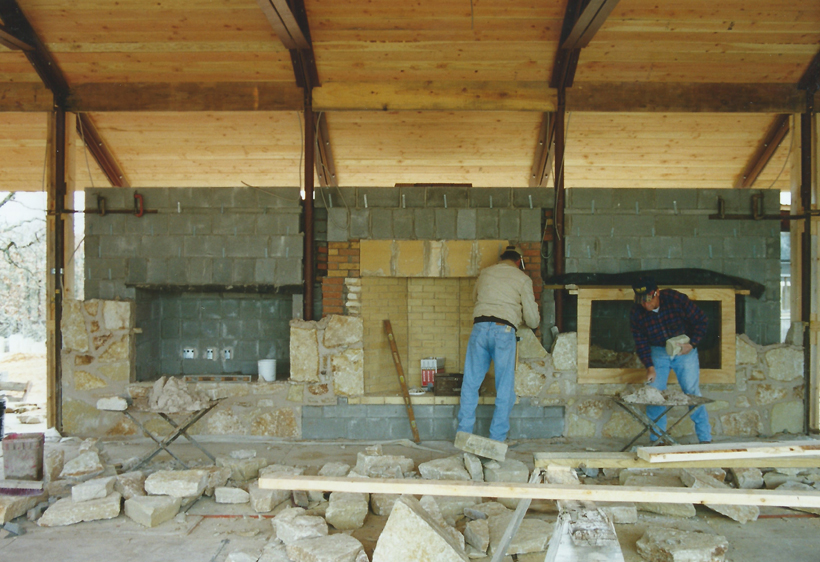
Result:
[588,23]
[99,149]
[10,41]
[25,96]
[764,152]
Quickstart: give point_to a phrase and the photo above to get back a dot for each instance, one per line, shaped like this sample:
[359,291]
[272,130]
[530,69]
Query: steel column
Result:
[558,252]
[310,135]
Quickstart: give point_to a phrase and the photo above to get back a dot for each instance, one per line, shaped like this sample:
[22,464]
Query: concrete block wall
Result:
[621,230]
[199,236]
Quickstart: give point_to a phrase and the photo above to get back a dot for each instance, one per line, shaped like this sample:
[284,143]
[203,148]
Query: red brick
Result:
[332,310]
[331,281]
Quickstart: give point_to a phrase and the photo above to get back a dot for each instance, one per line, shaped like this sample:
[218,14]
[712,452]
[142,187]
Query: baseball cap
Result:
[644,287]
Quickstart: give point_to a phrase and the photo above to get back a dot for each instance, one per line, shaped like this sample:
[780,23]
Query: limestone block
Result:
[217,476]
[530,377]
[75,334]
[150,511]
[264,500]
[67,512]
[339,469]
[591,409]
[670,509]
[283,422]
[745,351]
[740,513]
[273,498]
[579,427]
[83,380]
[138,392]
[114,403]
[242,469]
[766,394]
[172,395]
[382,504]
[787,417]
[486,509]
[481,446]
[12,507]
[411,534]
[93,489]
[742,402]
[53,462]
[322,394]
[745,424]
[83,466]
[343,330]
[239,556]
[59,489]
[274,551]
[773,480]
[177,483]
[346,511]
[130,484]
[529,347]
[228,494]
[473,465]
[118,315]
[799,486]
[509,470]
[304,352]
[747,478]
[477,534]
[565,352]
[117,351]
[429,504]
[224,422]
[292,525]
[672,545]
[651,478]
[785,363]
[348,372]
[532,535]
[331,548]
[621,425]
[619,513]
[382,466]
[448,468]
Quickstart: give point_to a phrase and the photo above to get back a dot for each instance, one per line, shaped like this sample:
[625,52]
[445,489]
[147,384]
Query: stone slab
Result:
[12,507]
[177,483]
[480,446]
[292,525]
[82,467]
[331,548]
[532,535]
[447,468]
[228,494]
[93,489]
[747,478]
[150,511]
[346,511]
[130,484]
[67,512]
[672,545]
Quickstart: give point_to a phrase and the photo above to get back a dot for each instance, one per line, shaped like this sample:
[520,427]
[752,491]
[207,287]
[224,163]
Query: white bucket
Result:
[267,369]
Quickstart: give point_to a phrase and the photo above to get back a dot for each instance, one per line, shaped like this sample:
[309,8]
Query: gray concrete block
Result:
[223,271]
[200,271]
[365,429]
[509,224]
[247,350]
[137,270]
[425,427]
[104,226]
[530,428]
[400,428]
[235,224]
[171,366]
[289,271]
[380,411]
[402,224]
[412,197]
[286,247]
[494,197]
[159,247]
[378,197]
[382,225]
[444,429]
[193,197]
[231,329]
[230,308]
[170,328]
[210,329]
[244,247]
[336,197]
[619,247]
[703,247]
[487,224]
[244,271]
[150,224]
[626,199]
[91,246]
[119,246]
[423,411]
[424,224]
[582,247]
[714,227]
[676,199]
[320,429]
[359,223]
[589,199]
[278,224]
[250,309]
[190,329]
[667,247]
[235,197]
[445,411]
[591,225]
[533,198]
[466,224]
[265,271]
[190,224]
[457,197]
[207,246]
[625,265]
[91,288]
[531,225]
[445,224]
[312,412]
[745,247]
[633,225]
[674,225]
[107,269]
[601,265]
[279,197]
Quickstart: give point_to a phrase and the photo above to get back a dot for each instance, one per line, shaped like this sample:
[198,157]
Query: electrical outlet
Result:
[209,353]
[188,353]
[227,354]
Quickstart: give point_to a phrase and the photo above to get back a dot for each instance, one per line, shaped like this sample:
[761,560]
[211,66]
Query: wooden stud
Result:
[100,151]
[631,460]
[718,452]
[764,152]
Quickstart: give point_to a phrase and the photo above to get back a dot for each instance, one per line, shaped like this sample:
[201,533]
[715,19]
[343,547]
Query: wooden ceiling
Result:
[203,93]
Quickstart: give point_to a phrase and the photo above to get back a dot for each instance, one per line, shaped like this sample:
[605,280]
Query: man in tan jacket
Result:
[504,296]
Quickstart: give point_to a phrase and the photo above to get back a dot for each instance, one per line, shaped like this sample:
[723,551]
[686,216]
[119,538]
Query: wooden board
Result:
[721,451]
[631,460]
[728,496]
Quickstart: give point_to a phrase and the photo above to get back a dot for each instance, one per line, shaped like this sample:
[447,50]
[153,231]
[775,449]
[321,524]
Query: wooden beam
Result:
[588,23]
[544,152]
[631,460]
[100,151]
[25,96]
[566,60]
[811,77]
[9,41]
[689,98]
[284,23]
[720,496]
[764,152]
[325,165]
[721,451]
[190,96]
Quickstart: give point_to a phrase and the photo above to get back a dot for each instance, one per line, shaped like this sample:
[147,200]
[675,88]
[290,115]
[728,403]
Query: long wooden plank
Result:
[719,451]
[631,460]
[728,496]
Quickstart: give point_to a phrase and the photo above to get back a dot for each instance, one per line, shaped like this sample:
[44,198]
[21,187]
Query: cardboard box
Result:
[430,367]
[448,385]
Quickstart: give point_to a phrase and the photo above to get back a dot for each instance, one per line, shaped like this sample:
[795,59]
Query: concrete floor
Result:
[199,534]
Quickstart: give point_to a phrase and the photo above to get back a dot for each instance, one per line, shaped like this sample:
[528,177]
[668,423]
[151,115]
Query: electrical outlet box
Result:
[210,354]
[227,354]
[188,353]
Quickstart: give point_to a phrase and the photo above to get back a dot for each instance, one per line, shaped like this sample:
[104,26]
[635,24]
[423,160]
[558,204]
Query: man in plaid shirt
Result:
[656,317]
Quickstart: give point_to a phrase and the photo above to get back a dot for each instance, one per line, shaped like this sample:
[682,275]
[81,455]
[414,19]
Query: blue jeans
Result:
[489,341]
[687,369]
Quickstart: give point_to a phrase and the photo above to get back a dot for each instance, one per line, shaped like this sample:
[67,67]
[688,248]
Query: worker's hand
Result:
[650,374]
[686,348]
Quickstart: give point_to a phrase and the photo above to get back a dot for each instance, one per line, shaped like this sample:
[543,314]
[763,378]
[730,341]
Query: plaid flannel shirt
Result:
[677,315]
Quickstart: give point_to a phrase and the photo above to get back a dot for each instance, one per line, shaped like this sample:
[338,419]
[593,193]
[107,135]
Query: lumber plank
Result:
[631,460]
[719,451]
[728,496]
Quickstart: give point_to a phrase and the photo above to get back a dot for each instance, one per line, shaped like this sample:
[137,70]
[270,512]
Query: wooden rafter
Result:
[763,153]
[544,152]
[811,78]
[25,96]
[100,151]
[566,60]
[325,165]
[588,23]
[284,23]
[289,21]
[8,40]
